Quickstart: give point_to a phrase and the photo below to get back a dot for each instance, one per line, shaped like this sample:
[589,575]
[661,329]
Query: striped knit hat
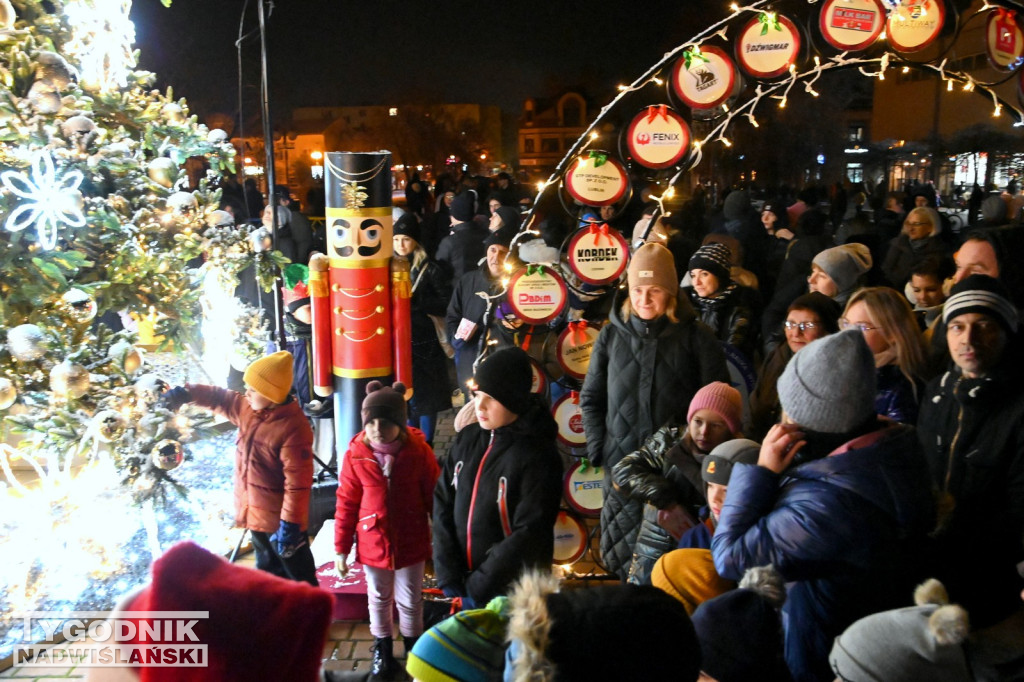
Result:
[716,258]
[467,647]
[981,294]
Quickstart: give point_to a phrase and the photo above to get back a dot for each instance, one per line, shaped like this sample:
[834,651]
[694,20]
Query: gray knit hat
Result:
[923,642]
[845,264]
[829,385]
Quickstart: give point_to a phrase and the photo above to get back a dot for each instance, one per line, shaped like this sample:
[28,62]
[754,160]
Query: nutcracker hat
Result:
[258,627]
[271,376]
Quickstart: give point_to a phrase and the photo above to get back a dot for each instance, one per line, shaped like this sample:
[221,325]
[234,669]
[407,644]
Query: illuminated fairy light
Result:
[101,41]
[49,201]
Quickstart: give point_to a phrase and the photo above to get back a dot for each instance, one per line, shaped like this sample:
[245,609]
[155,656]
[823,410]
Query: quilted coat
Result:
[495,505]
[845,531]
[641,375]
[733,314]
[388,516]
[273,459]
[666,470]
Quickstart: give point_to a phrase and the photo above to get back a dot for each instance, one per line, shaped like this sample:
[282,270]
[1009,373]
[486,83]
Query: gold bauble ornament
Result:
[162,171]
[69,380]
[8,393]
[128,356]
[27,342]
[167,454]
[110,425]
[150,387]
[78,306]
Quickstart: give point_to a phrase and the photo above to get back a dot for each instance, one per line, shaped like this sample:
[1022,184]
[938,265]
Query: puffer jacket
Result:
[666,470]
[972,431]
[845,530]
[733,314]
[467,304]
[895,397]
[273,459]
[389,517]
[495,504]
[904,252]
[641,375]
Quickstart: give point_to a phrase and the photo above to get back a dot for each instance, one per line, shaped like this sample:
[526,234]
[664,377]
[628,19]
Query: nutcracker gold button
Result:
[338,310]
[379,287]
[339,331]
[380,331]
[336,287]
[380,309]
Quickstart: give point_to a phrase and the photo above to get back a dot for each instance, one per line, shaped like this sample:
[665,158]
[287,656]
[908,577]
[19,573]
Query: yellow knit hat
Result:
[689,575]
[271,376]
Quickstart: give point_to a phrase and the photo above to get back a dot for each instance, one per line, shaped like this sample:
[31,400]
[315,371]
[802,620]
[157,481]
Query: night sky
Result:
[329,52]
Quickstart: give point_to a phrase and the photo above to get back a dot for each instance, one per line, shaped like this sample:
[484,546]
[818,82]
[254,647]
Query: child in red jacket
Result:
[385,498]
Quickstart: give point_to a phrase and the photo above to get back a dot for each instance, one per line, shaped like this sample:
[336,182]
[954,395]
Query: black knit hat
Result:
[383,402]
[462,207]
[981,294]
[503,236]
[506,376]
[715,258]
[408,225]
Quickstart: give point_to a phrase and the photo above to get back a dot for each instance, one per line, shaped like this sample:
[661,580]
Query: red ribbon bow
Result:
[601,230]
[577,329]
[1005,15]
[574,396]
[656,110]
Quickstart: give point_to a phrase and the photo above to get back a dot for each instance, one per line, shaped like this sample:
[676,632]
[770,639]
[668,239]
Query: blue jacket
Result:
[843,530]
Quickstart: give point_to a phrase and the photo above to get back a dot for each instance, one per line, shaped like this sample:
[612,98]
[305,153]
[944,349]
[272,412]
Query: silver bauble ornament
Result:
[220,218]
[167,454]
[162,171]
[217,136]
[27,342]
[110,425]
[8,393]
[150,387]
[79,306]
[173,113]
[69,380]
[182,203]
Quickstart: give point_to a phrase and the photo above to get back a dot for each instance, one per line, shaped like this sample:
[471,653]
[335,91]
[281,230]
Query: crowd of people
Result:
[776,533]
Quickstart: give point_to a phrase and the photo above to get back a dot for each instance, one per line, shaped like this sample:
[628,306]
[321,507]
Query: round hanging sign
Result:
[596,179]
[915,25]
[569,418]
[537,294]
[570,538]
[1004,41]
[539,383]
[584,488]
[598,254]
[768,45]
[851,24]
[704,77]
[574,346]
[658,137]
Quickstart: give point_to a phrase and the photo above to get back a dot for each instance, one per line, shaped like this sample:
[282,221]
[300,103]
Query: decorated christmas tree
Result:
[108,219]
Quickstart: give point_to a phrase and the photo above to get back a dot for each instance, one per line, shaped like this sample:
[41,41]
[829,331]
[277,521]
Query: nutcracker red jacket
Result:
[273,459]
[388,516]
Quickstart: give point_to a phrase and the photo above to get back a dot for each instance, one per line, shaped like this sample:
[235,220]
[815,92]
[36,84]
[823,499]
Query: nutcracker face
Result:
[359,238]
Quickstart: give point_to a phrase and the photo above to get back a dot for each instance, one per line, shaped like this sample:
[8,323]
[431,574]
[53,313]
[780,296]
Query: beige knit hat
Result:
[271,376]
[653,264]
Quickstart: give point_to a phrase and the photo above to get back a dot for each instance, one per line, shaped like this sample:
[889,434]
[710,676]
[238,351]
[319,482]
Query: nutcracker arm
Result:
[320,308]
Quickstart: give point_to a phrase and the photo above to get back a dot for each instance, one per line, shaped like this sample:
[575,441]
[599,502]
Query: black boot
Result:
[408,643]
[385,667]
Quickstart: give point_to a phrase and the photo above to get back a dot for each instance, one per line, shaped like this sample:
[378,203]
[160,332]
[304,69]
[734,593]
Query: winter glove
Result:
[175,397]
[288,538]
[341,565]
[452,591]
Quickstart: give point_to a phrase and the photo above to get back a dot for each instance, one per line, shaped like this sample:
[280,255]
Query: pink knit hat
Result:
[723,400]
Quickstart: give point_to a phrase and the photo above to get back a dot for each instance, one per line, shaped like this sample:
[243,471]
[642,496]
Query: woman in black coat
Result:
[432,390]
[648,362]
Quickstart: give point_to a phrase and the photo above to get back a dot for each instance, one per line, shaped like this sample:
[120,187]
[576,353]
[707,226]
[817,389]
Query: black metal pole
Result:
[268,144]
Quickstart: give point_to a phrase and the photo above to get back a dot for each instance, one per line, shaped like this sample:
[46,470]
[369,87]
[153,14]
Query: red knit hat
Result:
[260,627]
[723,400]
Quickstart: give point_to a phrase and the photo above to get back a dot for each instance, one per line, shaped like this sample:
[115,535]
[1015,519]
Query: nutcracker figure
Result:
[360,309]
